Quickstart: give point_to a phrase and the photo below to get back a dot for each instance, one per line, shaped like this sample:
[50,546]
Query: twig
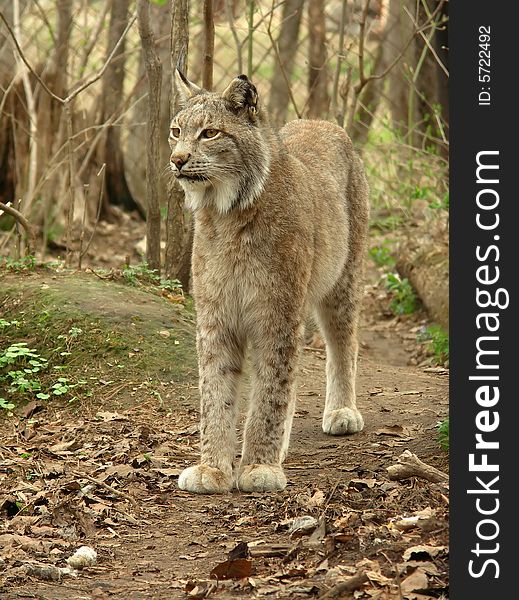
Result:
[350,585]
[409,465]
[92,79]
[232,26]
[93,37]
[10,210]
[109,488]
[101,172]
[280,63]
[250,39]
[339,115]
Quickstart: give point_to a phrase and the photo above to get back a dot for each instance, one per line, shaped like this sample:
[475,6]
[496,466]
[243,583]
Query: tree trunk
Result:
[135,166]
[369,100]
[117,191]
[318,98]
[207,70]
[287,46]
[401,94]
[154,74]
[176,237]
[9,96]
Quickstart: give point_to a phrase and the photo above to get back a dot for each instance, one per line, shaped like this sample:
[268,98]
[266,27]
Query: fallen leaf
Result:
[425,552]
[316,500]
[107,416]
[363,483]
[239,551]
[396,430]
[232,569]
[416,581]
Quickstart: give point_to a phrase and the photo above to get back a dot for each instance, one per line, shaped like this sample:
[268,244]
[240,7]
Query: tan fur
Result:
[287,237]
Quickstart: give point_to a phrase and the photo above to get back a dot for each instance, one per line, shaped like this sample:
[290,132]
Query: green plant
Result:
[438,344]
[20,371]
[442,203]
[5,324]
[404,300]
[382,256]
[142,274]
[27,263]
[389,223]
[443,434]
[19,366]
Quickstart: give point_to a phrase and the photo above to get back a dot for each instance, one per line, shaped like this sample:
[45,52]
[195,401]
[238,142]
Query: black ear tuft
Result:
[242,96]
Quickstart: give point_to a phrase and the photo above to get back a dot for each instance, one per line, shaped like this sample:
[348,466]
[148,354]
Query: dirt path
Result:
[166,544]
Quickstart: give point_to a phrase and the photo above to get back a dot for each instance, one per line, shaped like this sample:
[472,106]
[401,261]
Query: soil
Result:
[103,474]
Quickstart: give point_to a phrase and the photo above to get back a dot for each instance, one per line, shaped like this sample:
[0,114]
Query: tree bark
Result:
[318,98]
[400,92]
[369,100]
[176,220]
[135,167]
[207,69]
[154,74]
[287,46]
[117,191]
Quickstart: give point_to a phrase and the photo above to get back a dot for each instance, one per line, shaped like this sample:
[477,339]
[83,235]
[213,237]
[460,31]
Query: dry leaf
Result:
[427,552]
[416,581]
[396,430]
[232,569]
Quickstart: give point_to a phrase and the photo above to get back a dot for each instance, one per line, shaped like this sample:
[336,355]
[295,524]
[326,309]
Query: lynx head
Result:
[219,149]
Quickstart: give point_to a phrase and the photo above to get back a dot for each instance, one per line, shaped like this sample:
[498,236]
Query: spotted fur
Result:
[281,224]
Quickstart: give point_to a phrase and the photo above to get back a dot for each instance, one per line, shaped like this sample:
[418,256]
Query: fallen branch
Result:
[409,465]
[29,230]
[350,585]
[108,488]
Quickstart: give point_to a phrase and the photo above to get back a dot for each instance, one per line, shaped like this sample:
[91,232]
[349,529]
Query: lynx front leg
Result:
[267,430]
[338,317]
[220,358]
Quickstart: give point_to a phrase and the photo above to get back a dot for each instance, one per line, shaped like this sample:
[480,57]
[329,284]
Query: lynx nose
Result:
[179,160]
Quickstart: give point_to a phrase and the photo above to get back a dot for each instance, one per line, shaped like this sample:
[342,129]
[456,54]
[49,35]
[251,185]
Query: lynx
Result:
[280,232]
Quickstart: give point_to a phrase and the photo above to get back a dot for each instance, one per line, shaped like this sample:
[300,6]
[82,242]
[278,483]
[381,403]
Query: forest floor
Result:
[101,471]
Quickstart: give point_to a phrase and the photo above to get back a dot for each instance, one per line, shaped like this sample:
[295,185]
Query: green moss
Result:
[84,324]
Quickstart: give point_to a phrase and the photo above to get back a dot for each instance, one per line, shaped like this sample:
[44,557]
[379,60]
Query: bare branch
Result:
[92,79]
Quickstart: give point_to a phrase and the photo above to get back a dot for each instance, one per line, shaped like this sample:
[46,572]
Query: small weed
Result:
[443,203]
[389,223]
[27,263]
[404,301]
[438,344]
[382,256]
[142,274]
[443,434]
[20,371]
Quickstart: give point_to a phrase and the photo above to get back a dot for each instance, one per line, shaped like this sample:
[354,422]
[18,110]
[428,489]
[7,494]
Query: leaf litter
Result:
[109,482]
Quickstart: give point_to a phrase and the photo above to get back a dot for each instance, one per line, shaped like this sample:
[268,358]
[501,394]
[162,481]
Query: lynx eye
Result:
[208,134]
[175,132]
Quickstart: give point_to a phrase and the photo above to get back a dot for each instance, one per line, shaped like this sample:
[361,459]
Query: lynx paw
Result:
[261,478]
[203,479]
[342,421]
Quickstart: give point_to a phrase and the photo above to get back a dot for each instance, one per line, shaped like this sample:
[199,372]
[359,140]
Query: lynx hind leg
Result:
[338,317]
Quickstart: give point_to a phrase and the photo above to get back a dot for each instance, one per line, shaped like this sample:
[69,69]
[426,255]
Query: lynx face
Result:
[218,152]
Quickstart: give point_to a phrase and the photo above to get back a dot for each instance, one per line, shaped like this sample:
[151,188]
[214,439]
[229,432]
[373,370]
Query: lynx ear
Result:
[185,88]
[242,96]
